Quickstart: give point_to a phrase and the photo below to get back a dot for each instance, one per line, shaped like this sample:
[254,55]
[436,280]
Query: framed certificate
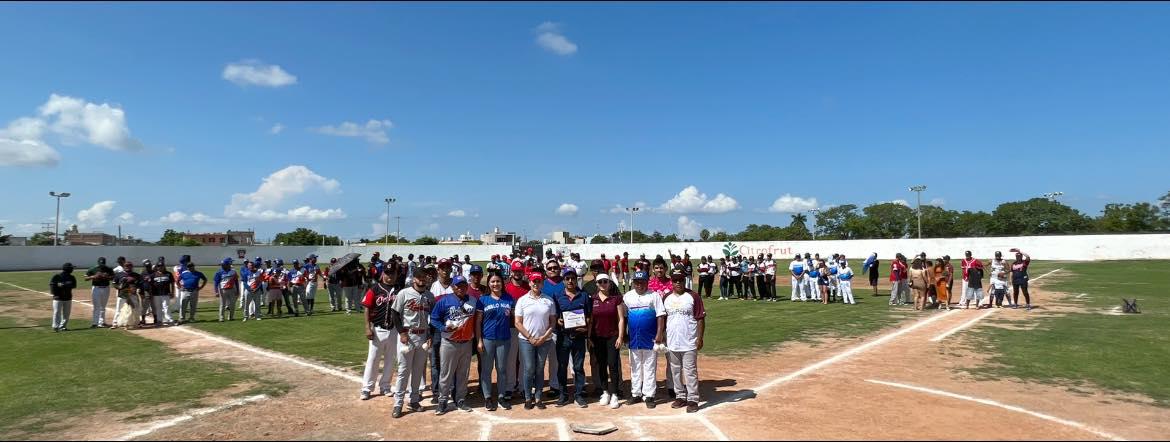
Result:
[574,319]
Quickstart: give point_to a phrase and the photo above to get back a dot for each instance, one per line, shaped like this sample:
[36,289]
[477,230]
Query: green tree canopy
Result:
[426,240]
[41,239]
[1036,217]
[304,237]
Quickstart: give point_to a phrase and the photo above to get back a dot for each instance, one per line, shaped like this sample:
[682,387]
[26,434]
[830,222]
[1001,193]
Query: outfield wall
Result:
[1065,247]
[1068,247]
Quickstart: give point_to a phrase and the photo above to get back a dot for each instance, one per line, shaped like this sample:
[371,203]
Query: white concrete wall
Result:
[23,258]
[1069,247]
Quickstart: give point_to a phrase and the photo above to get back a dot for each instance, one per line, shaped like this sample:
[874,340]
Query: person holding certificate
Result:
[574,311]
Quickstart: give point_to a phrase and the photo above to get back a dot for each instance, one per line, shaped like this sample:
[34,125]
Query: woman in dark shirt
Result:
[606,336]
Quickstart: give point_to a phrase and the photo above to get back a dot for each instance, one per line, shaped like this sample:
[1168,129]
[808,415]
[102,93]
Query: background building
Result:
[243,238]
[77,238]
[496,237]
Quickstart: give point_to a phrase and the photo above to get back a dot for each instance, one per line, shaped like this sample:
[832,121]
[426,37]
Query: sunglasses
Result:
[554,268]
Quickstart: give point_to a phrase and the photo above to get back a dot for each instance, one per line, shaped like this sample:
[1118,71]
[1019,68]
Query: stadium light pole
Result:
[633,210]
[814,212]
[386,238]
[1052,196]
[57,226]
[919,189]
[398,232]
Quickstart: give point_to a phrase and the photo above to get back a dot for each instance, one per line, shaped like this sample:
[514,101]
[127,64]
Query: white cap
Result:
[601,276]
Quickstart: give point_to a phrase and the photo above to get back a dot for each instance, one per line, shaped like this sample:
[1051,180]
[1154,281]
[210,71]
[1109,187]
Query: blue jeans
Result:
[495,353]
[575,346]
[532,360]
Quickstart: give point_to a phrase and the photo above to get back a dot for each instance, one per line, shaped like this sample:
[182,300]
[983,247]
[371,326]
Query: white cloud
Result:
[72,121]
[177,217]
[76,119]
[550,37]
[276,129]
[279,186]
[690,201]
[257,73]
[457,213]
[937,201]
[688,227]
[792,204]
[95,215]
[126,218]
[27,153]
[374,131]
[566,209]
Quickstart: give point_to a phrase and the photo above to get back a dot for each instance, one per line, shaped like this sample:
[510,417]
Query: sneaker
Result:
[415,406]
[491,405]
[540,405]
[507,405]
[581,402]
[614,402]
[692,407]
[442,409]
[1028,307]
[462,406]
[553,393]
[561,402]
[365,395]
[604,398]
[434,399]
[245,319]
[634,400]
[397,412]
[650,403]
[528,404]
[678,403]
[93,326]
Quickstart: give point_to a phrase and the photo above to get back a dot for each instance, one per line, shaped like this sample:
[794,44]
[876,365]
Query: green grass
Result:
[1125,353]
[50,376]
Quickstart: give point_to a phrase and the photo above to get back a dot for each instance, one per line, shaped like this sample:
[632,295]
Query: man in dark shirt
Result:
[352,282]
[61,286]
[99,276]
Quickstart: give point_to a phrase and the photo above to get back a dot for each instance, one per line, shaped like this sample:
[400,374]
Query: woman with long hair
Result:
[493,323]
[942,293]
[606,334]
[919,280]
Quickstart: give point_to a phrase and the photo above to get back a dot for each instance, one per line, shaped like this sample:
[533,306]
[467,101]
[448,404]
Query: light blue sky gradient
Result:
[844,103]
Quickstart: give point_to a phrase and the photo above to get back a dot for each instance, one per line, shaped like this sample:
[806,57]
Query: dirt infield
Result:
[895,384]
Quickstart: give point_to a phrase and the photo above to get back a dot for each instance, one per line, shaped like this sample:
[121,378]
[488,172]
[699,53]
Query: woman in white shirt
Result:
[535,317]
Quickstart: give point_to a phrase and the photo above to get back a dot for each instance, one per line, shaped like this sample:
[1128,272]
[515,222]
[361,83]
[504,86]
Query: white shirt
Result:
[118,270]
[792,267]
[770,267]
[734,269]
[439,290]
[536,314]
[704,269]
[682,329]
[579,266]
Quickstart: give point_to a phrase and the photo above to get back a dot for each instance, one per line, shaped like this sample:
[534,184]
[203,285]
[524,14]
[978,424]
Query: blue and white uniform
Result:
[845,284]
[796,269]
[643,311]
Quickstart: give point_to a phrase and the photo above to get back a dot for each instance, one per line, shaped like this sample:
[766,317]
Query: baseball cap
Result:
[568,270]
[517,267]
[445,262]
[641,275]
[146,262]
[226,261]
[279,262]
[552,260]
[602,277]
[677,274]
[534,276]
[458,280]
[475,269]
[296,262]
[101,260]
[596,264]
[333,260]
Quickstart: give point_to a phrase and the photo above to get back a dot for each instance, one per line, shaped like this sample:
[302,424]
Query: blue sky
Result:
[205,117]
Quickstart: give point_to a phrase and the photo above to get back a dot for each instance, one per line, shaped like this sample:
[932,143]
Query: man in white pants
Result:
[312,276]
[811,289]
[796,269]
[380,332]
[99,277]
[845,283]
[966,263]
[118,270]
[412,312]
[646,318]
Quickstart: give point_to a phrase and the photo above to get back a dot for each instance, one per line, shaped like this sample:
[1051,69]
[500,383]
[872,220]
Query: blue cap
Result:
[475,269]
[296,262]
[257,259]
[279,262]
[458,280]
[641,275]
[568,270]
[226,261]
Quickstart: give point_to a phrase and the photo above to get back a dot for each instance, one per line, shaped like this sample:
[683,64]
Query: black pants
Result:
[770,284]
[749,285]
[608,369]
[737,285]
[1016,293]
[706,283]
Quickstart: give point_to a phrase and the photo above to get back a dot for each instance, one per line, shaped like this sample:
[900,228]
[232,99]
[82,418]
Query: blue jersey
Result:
[553,290]
[642,318]
[845,274]
[190,279]
[497,316]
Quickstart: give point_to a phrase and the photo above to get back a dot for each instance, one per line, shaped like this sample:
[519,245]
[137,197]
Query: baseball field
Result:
[1073,368]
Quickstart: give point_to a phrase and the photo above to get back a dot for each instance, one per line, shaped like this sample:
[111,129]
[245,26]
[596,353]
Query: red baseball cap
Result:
[517,267]
[534,276]
[444,262]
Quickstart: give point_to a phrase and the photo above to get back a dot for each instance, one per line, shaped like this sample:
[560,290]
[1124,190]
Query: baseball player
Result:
[61,286]
[647,325]
[251,279]
[412,312]
[227,289]
[161,284]
[796,268]
[192,281]
[312,276]
[685,323]
[129,285]
[380,332]
[454,316]
[297,283]
[276,279]
[845,283]
[99,277]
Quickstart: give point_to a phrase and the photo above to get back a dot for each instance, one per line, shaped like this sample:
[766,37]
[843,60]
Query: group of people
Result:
[932,282]
[529,315]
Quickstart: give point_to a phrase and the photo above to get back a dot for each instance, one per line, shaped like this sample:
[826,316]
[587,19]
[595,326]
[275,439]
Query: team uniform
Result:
[498,345]
[227,288]
[796,269]
[845,284]
[454,317]
[414,311]
[189,294]
[61,286]
[643,311]
[683,313]
[100,294]
[384,345]
[253,292]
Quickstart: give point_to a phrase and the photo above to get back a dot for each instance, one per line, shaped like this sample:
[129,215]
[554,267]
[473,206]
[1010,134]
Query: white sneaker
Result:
[604,398]
[614,403]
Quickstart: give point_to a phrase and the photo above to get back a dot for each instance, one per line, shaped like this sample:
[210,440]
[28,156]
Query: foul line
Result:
[994,403]
[843,355]
[981,317]
[189,416]
[719,435]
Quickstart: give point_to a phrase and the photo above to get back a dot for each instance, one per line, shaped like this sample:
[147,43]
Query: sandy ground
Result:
[744,398]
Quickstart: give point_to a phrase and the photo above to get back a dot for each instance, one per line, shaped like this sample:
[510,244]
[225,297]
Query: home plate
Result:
[593,428]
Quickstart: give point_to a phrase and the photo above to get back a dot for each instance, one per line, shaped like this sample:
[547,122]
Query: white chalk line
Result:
[159,425]
[994,403]
[636,429]
[719,435]
[838,357]
[981,317]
